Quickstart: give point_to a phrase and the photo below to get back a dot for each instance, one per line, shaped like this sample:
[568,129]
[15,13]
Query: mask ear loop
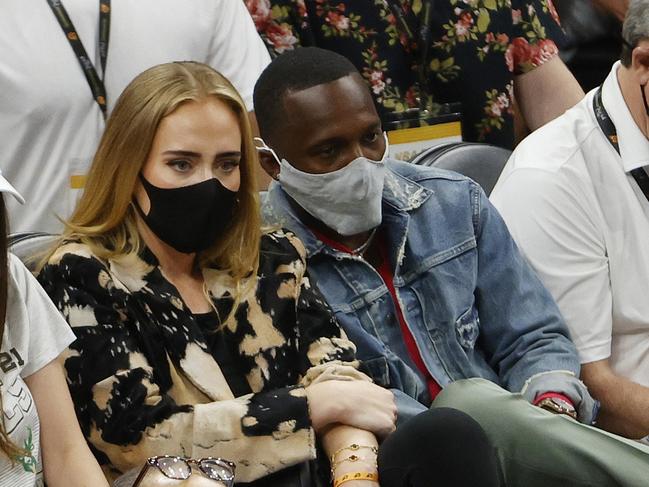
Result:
[386,154]
[261,146]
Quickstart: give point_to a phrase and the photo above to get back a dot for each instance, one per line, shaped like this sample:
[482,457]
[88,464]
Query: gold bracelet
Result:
[351,458]
[353,447]
[356,476]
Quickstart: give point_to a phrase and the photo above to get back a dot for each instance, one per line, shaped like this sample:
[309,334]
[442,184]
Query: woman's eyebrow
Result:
[178,152]
[229,154]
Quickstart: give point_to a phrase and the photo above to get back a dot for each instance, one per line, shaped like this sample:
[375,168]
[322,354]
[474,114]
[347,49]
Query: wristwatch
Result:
[558,406]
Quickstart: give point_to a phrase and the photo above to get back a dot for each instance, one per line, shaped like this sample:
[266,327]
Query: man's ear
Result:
[640,61]
[269,163]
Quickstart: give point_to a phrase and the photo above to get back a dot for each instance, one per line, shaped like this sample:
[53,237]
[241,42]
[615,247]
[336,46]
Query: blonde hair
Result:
[104,218]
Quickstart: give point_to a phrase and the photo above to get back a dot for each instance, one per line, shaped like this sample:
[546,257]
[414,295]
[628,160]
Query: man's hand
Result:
[617,8]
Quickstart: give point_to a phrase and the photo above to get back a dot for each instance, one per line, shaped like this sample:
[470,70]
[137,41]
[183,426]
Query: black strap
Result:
[422,36]
[94,81]
[608,127]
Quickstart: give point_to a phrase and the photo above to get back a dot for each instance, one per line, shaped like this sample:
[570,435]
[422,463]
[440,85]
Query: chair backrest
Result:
[481,162]
[27,246]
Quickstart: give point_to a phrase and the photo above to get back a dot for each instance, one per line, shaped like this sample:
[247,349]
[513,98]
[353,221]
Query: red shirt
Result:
[385,272]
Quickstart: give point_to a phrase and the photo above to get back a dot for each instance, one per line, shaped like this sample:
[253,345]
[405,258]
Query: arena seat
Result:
[481,162]
[27,246]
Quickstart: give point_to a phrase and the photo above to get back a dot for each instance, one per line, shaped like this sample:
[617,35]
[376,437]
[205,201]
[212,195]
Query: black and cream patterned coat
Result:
[144,383]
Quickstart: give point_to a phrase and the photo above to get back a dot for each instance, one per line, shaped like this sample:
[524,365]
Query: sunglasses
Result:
[179,468]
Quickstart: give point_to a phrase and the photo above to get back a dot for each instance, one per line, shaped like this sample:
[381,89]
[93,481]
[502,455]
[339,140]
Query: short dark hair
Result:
[295,70]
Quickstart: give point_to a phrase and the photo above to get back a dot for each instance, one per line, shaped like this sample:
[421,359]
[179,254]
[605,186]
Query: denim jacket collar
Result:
[400,196]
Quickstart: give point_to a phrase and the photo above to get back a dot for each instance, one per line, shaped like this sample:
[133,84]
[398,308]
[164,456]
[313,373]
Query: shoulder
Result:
[559,141]
[71,250]
[21,284]
[72,262]
[282,242]
[555,155]
[439,185]
[19,275]
[35,326]
[420,174]
[281,252]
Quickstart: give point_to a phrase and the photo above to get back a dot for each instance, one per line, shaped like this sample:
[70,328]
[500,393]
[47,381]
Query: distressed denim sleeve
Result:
[407,407]
[522,329]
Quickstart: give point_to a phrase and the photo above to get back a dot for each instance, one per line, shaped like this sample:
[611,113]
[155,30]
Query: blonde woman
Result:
[197,335]
[40,439]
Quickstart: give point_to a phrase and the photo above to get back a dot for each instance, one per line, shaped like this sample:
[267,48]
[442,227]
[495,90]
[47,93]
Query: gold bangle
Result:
[353,447]
[351,458]
[356,476]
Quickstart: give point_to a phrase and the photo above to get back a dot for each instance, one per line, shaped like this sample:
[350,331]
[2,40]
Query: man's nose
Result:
[358,151]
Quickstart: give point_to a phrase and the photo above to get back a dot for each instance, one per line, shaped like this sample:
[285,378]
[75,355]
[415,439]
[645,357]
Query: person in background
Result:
[64,64]
[574,196]
[480,53]
[40,439]
[200,335]
[593,39]
[425,279]
[617,8]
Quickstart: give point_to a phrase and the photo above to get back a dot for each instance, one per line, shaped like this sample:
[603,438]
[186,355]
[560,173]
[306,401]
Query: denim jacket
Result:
[474,306]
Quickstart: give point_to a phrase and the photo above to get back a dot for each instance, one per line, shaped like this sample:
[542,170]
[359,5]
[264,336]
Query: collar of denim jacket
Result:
[400,194]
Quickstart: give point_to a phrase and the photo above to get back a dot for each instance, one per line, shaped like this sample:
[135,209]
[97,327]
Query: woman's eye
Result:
[229,165]
[181,165]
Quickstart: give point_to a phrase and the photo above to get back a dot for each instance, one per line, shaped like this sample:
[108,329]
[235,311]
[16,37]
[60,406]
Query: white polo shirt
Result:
[582,221]
[50,124]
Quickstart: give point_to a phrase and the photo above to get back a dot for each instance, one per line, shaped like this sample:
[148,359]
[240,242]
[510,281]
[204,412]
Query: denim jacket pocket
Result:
[377,368]
[467,328]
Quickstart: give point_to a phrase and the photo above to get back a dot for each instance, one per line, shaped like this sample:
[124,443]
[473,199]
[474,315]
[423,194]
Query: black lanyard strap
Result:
[94,81]
[421,35]
[608,127]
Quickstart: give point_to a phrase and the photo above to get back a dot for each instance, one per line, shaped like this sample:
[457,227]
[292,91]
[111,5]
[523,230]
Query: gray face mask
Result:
[347,200]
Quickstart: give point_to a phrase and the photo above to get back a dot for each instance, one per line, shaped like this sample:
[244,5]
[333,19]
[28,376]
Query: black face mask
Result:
[189,218]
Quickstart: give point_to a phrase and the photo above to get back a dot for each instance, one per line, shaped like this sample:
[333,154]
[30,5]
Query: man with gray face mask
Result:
[424,277]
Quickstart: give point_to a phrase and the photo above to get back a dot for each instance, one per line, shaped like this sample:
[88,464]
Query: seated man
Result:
[425,278]
[574,196]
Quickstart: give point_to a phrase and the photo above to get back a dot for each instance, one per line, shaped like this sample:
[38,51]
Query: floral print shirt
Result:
[477,48]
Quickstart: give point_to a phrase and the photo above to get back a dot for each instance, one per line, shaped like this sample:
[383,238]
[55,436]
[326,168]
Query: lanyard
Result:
[607,126]
[94,81]
[422,36]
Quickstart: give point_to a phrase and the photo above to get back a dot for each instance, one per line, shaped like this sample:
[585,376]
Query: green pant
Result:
[538,448]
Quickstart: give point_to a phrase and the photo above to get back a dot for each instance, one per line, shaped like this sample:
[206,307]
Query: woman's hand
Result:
[362,405]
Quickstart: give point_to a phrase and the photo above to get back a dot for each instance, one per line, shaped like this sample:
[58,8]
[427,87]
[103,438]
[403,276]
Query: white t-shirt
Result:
[49,122]
[34,335]
[582,221]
